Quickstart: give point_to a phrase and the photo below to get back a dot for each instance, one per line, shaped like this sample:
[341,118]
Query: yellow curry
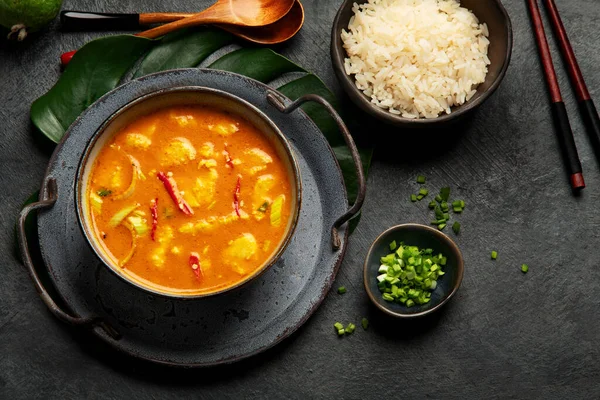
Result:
[189,199]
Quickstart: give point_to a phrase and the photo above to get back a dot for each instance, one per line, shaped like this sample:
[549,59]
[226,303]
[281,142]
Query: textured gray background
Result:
[505,334]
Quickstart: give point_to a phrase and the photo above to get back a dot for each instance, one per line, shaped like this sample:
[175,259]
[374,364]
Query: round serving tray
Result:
[212,330]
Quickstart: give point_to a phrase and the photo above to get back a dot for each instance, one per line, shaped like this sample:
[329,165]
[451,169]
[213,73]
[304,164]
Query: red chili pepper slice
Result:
[65,58]
[154,212]
[171,187]
[228,159]
[195,264]
[236,197]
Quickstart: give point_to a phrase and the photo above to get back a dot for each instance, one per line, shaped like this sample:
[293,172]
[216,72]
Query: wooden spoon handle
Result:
[161,18]
[213,14]
[72,21]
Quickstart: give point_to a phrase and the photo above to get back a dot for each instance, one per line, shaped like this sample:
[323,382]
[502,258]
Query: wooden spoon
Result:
[277,32]
[249,13]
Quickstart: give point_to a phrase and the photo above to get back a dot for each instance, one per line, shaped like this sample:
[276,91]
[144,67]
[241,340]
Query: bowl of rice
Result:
[415,63]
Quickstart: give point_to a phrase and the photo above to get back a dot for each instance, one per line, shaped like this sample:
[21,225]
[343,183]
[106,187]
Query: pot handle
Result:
[279,102]
[48,198]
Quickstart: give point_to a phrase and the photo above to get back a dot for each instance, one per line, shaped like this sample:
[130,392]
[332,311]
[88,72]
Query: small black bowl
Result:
[492,12]
[424,237]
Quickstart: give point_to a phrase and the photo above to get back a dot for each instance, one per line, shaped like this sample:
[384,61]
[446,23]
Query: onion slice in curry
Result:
[137,174]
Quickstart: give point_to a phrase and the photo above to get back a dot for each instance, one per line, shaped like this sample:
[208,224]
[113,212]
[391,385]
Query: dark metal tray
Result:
[206,331]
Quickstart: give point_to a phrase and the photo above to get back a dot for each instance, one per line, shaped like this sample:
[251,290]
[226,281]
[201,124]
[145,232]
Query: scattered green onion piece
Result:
[444,206]
[494,255]
[423,192]
[439,214]
[341,332]
[456,227]
[413,197]
[462,204]
[341,290]
[457,210]
[446,216]
[364,323]
[393,246]
[338,326]
[420,197]
[421,179]
[441,227]
[445,193]
[438,198]
[456,203]
[524,268]
[350,328]
[432,204]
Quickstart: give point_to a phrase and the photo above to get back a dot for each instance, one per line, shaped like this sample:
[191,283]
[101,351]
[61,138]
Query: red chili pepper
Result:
[228,160]
[195,264]
[171,187]
[236,197]
[154,212]
[65,58]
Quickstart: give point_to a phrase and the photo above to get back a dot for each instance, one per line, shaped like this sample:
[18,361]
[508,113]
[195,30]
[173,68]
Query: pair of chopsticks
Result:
[559,112]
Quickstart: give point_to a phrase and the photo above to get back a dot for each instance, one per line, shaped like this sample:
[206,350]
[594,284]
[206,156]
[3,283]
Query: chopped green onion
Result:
[338,326]
[494,255]
[420,197]
[441,227]
[393,246]
[524,268]
[462,204]
[413,197]
[341,332]
[445,193]
[438,198]
[365,323]
[432,204]
[439,214]
[341,290]
[456,227]
[446,216]
[387,297]
[408,275]
[456,203]
[421,179]
[424,192]
[104,192]
[457,210]
[444,206]
[350,328]
[263,208]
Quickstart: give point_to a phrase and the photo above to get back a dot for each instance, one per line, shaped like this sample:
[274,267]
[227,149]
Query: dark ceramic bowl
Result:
[492,12]
[423,237]
[178,96]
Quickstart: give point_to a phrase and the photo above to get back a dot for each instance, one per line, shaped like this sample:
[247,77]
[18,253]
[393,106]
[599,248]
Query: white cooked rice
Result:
[416,58]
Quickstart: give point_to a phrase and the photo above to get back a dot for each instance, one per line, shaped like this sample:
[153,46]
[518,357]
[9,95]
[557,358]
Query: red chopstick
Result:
[559,111]
[586,104]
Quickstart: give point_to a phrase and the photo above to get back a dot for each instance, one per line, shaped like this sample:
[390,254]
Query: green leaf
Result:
[262,64]
[94,70]
[183,49]
[312,84]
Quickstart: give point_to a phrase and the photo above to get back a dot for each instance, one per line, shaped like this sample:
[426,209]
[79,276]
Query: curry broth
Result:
[204,151]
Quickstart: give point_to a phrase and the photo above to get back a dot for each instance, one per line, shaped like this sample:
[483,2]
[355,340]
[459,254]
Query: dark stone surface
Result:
[504,335]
